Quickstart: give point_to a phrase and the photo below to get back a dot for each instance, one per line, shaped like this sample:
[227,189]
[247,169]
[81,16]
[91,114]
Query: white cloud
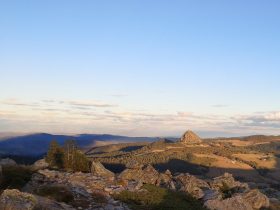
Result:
[88,103]
[89,116]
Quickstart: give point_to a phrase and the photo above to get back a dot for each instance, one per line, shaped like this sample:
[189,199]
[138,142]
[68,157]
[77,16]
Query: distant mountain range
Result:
[37,144]
[13,144]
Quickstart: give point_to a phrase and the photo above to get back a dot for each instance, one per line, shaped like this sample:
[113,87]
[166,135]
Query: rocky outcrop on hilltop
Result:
[190,137]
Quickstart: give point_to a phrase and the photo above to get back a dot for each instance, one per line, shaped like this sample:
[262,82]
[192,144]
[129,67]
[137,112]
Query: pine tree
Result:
[69,149]
[68,157]
[55,155]
[74,159]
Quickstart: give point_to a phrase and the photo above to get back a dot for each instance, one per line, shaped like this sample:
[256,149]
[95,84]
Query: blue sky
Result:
[140,67]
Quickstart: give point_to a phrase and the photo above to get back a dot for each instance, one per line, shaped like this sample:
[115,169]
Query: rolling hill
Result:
[37,144]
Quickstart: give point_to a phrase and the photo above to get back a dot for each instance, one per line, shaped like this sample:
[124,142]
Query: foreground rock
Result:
[256,199]
[146,175]
[191,185]
[16,200]
[84,188]
[150,175]
[40,164]
[247,201]
[221,193]
[166,180]
[227,182]
[97,169]
[234,203]
[133,171]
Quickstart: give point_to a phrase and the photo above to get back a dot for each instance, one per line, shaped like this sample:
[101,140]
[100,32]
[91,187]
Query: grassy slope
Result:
[156,198]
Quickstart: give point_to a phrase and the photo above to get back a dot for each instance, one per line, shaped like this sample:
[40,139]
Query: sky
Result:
[140,68]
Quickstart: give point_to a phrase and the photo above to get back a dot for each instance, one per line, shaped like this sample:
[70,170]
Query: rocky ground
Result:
[50,189]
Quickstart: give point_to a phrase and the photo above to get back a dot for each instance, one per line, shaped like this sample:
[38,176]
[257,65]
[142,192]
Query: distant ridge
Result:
[37,144]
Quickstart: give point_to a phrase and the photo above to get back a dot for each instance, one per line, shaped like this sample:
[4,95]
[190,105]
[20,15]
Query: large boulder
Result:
[16,200]
[191,185]
[227,182]
[190,137]
[234,203]
[166,180]
[256,199]
[133,164]
[7,162]
[40,164]
[250,200]
[97,169]
[147,175]
[131,174]
[133,171]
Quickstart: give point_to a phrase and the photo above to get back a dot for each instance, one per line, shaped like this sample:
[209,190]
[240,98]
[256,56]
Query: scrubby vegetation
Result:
[156,198]
[68,157]
[169,155]
[273,147]
[15,177]
[161,161]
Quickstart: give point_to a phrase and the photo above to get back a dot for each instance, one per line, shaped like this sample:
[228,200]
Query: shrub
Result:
[56,192]
[15,177]
[67,157]
[156,198]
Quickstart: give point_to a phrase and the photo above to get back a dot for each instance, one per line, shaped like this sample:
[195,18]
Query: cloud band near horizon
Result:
[92,116]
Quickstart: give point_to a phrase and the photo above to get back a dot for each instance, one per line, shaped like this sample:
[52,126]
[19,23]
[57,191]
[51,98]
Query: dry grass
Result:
[239,143]
[155,198]
[224,162]
[262,160]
